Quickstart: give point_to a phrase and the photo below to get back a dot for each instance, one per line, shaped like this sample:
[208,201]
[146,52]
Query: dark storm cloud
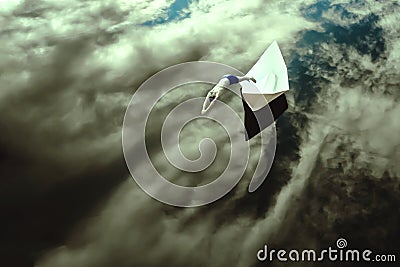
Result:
[61,114]
[141,60]
[51,162]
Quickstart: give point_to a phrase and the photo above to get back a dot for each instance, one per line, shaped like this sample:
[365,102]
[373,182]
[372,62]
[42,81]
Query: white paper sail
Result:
[270,71]
[264,101]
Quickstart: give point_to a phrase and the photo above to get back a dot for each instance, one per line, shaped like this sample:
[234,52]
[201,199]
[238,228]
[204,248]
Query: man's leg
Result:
[246,78]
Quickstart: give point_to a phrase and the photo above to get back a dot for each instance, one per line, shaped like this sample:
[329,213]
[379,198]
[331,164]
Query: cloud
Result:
[111,63]
[352,184]
[68,72]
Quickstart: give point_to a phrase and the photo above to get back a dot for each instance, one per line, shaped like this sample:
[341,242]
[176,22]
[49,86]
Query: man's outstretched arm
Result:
[205,102]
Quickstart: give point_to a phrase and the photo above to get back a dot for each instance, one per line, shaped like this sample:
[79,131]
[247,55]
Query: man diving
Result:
[220,88]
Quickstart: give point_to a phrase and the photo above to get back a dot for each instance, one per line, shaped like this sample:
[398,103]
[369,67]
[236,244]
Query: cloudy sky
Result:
[68,70]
